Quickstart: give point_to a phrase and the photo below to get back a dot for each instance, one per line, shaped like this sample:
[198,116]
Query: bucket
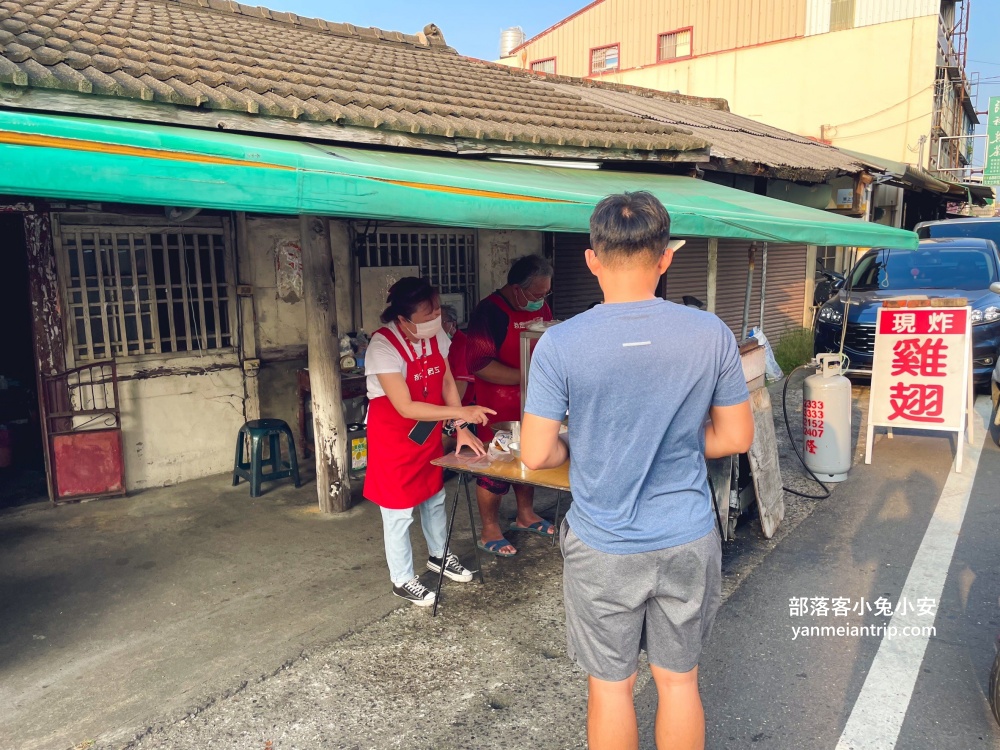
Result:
[357,437]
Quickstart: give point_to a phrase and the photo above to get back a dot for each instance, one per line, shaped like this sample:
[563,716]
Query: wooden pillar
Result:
[47,324]
[713,273]
[329,431]
[807,303]
[245,286]
[343,259]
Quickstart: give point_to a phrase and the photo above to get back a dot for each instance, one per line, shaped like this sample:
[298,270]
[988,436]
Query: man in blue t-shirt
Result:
[652,389]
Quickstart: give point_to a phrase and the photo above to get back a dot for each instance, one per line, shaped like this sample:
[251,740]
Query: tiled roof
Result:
[732,137]
[221,55]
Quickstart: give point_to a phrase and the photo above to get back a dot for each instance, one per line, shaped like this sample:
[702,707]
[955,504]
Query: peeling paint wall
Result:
[271,256]
[281,313]
[497,248]
[179,423]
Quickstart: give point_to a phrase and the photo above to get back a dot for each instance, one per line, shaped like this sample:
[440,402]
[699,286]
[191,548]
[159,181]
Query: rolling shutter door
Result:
[688,273]
[574,287]
[786,287]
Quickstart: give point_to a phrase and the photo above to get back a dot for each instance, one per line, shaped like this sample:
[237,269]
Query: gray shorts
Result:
[663,601]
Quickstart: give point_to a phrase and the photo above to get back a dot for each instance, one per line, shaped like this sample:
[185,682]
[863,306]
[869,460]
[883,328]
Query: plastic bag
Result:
[497,447]
[772,372]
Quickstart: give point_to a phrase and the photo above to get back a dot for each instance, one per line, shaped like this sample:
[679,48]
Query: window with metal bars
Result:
[544,66]
[826,258]
[143,290]
[676,44]
[604,59]
[446,257]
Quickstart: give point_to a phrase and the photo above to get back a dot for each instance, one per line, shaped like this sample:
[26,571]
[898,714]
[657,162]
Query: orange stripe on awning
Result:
[471,191]
[72,144]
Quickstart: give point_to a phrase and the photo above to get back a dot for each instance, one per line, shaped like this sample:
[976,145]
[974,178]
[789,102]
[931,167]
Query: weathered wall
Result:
[497,248]
[281,315]
[279,396]
[179,423]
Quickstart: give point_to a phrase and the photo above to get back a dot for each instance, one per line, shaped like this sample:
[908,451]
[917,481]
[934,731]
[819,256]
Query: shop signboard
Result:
[921,375]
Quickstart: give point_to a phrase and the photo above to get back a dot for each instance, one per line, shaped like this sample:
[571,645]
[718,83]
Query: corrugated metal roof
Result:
[732,137]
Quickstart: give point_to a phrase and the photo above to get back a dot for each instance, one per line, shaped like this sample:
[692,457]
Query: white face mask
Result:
[427,330]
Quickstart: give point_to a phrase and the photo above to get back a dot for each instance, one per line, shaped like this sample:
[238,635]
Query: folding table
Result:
[467,466]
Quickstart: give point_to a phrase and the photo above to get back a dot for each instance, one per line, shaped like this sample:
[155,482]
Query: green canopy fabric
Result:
[58,157]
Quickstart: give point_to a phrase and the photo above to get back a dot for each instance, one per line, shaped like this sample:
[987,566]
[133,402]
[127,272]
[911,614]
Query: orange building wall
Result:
[636,25]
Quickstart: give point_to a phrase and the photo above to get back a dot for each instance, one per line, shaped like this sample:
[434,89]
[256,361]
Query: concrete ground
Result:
[194,617]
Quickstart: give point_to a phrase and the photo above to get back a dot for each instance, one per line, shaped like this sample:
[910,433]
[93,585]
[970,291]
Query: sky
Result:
[474,29]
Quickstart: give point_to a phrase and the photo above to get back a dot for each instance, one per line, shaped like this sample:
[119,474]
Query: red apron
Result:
[399,473]
[506,399]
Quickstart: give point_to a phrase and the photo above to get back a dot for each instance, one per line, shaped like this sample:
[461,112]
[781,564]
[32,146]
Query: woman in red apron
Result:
[494,355]
[411,390]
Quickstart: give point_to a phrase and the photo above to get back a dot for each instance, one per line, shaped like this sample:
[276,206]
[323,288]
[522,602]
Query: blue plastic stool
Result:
[253,470]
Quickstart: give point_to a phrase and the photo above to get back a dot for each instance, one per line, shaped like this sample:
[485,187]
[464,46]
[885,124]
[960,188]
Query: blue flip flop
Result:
[494,547]
[538,527]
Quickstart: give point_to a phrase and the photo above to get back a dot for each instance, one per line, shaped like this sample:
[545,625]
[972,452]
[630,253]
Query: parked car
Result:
[964,267]
[984,228]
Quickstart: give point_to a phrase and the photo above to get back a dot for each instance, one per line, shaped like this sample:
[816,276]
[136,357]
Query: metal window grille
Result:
[446,258]
[675,45]
[143,290]
[841,15]
[604,59]
[544,66]
[826,258]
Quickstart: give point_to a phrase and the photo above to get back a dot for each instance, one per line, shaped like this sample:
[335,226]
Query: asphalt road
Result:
[765,688]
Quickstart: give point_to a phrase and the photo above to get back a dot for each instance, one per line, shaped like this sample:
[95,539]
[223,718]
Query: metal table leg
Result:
[555,518]
[463,482]
[472,525]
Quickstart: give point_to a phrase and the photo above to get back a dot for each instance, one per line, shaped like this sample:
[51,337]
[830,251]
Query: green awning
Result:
[57,157]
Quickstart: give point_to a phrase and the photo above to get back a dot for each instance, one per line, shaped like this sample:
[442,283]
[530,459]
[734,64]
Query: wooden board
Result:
[508,471]
[88,463]
[764,464]
[720,479]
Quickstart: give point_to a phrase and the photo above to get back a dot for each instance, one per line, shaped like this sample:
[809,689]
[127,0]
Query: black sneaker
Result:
[453,569]
[414,591]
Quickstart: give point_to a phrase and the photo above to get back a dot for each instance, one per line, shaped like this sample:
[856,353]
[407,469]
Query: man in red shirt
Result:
[493,354]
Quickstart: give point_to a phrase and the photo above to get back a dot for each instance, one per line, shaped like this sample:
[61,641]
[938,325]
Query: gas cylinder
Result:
[826,420]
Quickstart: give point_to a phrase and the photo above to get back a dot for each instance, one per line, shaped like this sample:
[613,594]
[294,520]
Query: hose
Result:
[798,455]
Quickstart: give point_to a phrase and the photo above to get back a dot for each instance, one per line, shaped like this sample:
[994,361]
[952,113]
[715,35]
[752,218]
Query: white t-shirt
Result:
[382,357]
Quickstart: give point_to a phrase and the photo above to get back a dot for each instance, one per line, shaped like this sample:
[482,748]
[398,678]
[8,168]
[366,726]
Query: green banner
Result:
[991,175]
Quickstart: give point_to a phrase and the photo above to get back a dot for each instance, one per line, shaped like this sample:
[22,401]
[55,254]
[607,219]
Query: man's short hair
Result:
[629,226]
[449,314]
[527,268]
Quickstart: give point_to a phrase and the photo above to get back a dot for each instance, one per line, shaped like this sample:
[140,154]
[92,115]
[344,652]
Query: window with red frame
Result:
[675,45]
[544,66]
[604,59]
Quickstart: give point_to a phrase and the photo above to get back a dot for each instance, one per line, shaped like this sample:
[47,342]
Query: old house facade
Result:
[199,192]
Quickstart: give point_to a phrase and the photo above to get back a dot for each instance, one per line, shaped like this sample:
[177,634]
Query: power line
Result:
[881,111]
[879,130]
